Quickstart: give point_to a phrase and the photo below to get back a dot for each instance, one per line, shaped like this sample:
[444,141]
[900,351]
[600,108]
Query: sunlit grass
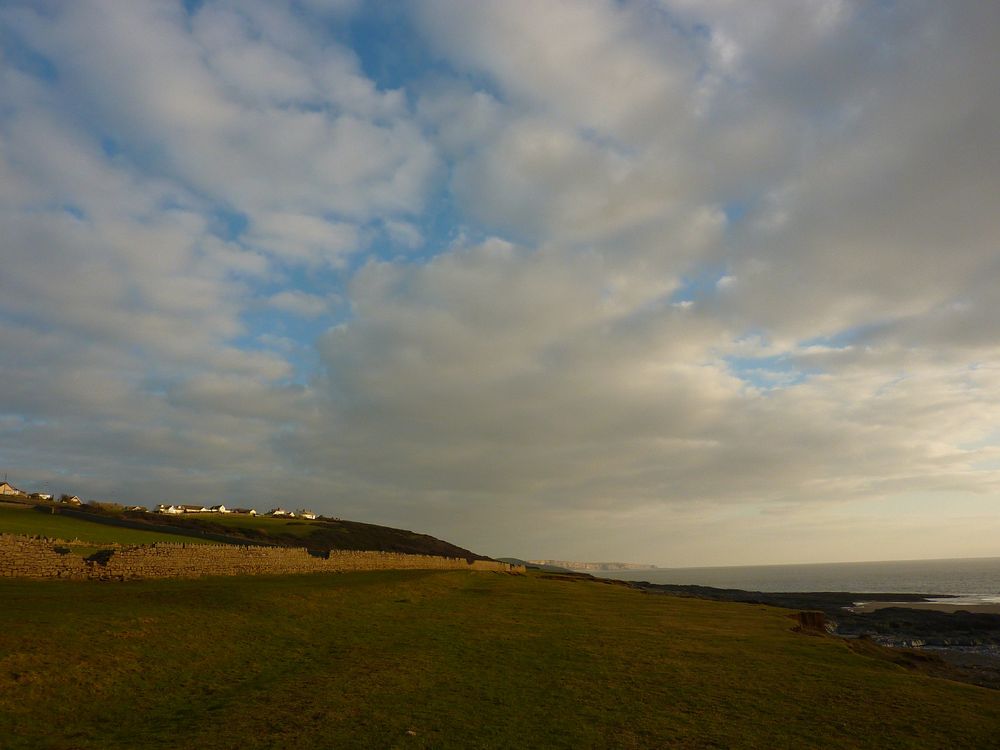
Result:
[26,520]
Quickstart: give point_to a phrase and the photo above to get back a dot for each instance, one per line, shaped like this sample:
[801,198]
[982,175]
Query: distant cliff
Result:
[600,566]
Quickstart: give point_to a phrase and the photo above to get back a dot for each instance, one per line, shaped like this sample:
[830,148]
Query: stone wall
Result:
[29,557]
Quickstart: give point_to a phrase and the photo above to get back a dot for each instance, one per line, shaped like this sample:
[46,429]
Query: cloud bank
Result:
[689,283]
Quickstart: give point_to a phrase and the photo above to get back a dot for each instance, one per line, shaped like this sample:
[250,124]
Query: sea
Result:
[972,580]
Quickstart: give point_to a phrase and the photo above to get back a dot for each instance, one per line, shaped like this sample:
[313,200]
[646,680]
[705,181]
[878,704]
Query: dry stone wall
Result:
[30,557]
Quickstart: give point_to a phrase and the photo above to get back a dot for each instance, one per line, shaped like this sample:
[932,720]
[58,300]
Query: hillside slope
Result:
[319,535]
[25,519]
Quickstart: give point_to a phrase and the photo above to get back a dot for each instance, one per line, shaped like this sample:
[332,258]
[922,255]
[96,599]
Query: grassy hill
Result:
[102,524]
[321,534]
[415,659]
[24,519]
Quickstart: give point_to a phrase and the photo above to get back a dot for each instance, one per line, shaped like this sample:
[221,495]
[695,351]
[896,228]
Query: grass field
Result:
[226,528]
[25,520]
[317,535]
[460,660]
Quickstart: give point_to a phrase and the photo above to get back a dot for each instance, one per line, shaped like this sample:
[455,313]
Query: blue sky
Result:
[697,283]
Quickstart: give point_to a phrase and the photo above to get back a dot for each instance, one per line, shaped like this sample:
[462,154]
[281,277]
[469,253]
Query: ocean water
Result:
[974,580]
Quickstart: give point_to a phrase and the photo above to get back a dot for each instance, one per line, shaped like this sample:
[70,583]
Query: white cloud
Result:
[404,234]
[619,70]
[299,303]
[462,118]
[546,181]
[251,106]
[299,238]
[497,373]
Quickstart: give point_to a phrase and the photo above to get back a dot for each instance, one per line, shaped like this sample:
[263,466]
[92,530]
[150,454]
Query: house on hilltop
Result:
[306,514]
[276,512]
[8,489]
[71,500]
[177,509]
[243,511]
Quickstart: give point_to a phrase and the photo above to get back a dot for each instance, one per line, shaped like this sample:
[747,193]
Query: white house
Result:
[243,511]
[281,512]
[306,514]
[175,509]
[9,489]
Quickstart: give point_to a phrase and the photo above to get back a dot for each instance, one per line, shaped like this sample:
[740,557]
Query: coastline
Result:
[988,608]
[972,579]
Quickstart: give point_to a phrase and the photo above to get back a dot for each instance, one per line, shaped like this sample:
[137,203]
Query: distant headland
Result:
[601,566]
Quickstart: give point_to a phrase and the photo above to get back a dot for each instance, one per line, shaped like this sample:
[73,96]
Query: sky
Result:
[683,282]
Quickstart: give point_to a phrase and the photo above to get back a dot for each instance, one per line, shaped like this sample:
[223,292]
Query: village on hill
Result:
[274,512]
[9,490]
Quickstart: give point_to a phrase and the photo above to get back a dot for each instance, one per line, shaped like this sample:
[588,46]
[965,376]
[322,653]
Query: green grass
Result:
[26,520]
[463,660]
[231,528]
[317,535]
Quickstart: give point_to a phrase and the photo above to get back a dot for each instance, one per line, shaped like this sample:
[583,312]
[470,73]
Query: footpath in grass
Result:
[414,659]
[27,520]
